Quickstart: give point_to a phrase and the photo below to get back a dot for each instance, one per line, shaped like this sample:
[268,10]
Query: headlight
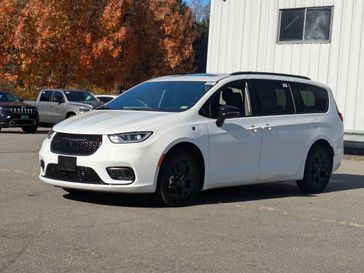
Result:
[84,109]
[132,137]
[50,134]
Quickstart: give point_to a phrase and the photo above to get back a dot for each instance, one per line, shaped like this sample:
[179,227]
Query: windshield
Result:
[172,96]
[78,96]
[7,97]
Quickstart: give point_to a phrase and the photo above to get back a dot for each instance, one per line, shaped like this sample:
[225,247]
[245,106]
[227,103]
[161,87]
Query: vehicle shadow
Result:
[339,182]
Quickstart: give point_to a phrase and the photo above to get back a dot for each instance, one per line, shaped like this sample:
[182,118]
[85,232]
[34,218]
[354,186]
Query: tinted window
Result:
[57,96]
[7,97]
[79,96]
[270,98]
[104,99]
[231,94]
[292,21]
[164,96]
[46,96]
[309,98]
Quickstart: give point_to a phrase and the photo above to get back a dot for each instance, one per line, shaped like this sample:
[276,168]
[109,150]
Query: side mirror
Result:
[226,112]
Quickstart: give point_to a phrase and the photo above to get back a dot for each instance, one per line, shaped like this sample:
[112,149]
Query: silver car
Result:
[55,105]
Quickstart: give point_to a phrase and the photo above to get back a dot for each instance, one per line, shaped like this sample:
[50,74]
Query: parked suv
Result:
[180,134]
[55,105]
[15,113]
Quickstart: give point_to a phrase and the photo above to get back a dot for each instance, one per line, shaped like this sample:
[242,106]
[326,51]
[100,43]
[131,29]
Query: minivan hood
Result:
[111,121]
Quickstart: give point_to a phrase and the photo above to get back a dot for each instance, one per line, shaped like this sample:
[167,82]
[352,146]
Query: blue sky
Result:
[189,1]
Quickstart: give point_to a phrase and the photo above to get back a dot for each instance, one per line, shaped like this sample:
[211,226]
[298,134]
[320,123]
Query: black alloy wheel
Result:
[30,129]
[179,179]
[318,170]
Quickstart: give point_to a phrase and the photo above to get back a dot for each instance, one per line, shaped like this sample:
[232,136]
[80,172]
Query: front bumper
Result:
[138,156]
[13,120]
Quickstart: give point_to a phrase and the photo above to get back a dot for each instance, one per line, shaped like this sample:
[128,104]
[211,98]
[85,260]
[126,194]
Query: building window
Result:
[305,25]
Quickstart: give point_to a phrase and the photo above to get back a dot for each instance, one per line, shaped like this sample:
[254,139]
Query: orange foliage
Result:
[98,43]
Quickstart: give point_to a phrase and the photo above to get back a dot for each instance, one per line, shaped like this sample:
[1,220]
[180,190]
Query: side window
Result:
[310,98]
[231,94]
[57,96]
[46,96]
[270,98]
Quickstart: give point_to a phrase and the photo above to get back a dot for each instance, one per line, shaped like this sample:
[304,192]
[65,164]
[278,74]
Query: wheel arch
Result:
[192,148]
[70,114]
[324,143]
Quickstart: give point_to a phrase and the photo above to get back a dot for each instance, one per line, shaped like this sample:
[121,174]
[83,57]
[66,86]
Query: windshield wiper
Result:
[142,109]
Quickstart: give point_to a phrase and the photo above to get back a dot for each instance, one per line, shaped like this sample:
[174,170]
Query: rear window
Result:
[310,98]
[270,98]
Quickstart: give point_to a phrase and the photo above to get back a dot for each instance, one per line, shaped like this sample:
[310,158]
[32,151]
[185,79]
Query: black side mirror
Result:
[226,112]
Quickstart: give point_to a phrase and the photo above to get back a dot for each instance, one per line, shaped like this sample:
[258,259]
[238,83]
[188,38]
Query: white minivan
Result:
[177,135]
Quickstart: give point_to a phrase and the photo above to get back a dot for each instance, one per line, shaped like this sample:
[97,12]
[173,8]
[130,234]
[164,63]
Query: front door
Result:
[42,104]
[235,146]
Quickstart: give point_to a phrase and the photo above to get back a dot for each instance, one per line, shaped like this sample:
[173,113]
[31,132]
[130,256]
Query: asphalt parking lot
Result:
[261,228]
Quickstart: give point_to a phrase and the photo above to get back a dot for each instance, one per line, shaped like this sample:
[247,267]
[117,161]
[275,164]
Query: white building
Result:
[321,39]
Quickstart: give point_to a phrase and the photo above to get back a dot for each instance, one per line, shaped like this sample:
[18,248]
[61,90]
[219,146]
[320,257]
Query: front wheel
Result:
[30,129]
[318,171]
[179,178]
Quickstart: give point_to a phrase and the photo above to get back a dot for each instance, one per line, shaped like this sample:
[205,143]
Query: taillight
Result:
[341,116]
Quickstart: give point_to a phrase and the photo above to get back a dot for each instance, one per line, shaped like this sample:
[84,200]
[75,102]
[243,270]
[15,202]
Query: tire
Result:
[179,179]
[318,170]
[30,130]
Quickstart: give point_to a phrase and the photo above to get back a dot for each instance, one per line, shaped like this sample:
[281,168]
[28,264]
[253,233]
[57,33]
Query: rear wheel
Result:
[179,178]
[318,171]
[30,129]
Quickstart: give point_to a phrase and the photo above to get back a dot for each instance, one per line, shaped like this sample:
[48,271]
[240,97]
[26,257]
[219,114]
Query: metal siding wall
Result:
[243,36]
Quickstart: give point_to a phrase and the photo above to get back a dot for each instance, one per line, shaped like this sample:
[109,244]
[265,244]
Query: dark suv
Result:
[15,113]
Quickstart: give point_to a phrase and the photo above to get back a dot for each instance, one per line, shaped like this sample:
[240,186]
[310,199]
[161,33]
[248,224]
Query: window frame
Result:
[303,40]
[296,94]
[246,98]
[253,96]
[54,94]
[46,91]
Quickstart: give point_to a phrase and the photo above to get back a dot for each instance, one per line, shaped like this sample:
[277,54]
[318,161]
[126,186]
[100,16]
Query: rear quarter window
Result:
[310,98]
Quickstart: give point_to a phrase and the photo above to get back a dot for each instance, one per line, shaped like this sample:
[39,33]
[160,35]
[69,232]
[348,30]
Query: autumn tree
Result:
[99,43]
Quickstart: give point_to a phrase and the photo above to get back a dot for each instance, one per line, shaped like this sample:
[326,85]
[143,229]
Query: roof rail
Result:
[268,73]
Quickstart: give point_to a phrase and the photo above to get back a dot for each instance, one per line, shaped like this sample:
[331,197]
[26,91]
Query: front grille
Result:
[71,144]
[82,175]
[22,110]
